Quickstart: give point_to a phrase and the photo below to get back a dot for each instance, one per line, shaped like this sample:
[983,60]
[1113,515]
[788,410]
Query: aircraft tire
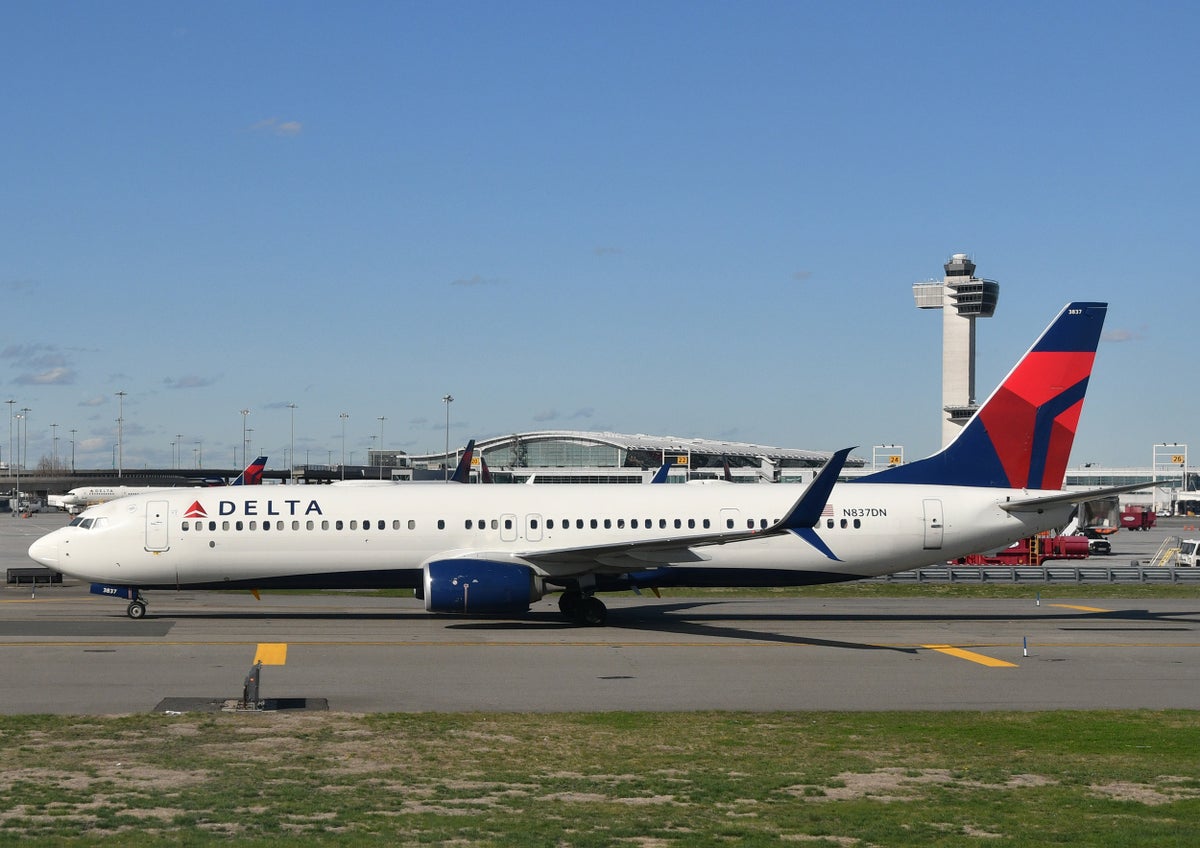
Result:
[569,604]
[592,612]
[136,610]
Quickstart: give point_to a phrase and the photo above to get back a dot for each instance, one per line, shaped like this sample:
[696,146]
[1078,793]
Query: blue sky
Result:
[697,219]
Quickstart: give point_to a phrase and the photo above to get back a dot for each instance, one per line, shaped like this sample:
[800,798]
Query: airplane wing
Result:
[801,519]
[1037,504]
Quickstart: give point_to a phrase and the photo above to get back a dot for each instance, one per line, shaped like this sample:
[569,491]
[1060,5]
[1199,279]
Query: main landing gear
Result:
[582,608]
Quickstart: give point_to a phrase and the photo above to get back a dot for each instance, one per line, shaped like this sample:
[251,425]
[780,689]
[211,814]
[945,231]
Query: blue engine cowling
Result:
[479,586]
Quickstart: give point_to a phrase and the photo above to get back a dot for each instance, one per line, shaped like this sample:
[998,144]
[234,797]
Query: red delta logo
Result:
[195,511]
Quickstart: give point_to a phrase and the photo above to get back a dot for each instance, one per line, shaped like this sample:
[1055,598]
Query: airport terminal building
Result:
[576,456]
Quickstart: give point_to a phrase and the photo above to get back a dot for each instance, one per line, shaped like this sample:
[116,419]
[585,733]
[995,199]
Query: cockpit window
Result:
[99,523]
[85,523]
[75,522]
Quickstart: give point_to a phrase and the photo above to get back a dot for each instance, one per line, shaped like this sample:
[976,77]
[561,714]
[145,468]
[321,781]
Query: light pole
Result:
[343,416]
[246,449]
[73,432]
[20,417]
[245,412]
[292,453]
[380,457]
[447,399]
[120,431]
[54,446]
[179,441]
[10,423]
[24,447]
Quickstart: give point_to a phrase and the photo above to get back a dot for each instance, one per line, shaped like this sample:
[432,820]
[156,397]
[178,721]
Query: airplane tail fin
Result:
[1021,437]
[462,474]
[253,474]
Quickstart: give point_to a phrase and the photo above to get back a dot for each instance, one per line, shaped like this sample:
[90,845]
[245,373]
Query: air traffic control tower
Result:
[962,297]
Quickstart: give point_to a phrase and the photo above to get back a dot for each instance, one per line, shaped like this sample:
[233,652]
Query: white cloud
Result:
[274,126]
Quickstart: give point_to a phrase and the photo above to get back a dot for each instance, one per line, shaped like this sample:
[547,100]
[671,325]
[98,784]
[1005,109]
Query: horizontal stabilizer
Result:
[1037,504]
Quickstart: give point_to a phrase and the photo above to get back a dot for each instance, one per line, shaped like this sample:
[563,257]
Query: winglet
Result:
[805,514]
[807,510]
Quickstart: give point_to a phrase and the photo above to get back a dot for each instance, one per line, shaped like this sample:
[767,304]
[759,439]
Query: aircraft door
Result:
[156,526]
[730,519]
[508,527]
[533,528]
[934,525]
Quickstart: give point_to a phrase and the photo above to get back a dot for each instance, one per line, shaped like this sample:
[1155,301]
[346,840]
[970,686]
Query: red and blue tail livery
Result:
[1021,437]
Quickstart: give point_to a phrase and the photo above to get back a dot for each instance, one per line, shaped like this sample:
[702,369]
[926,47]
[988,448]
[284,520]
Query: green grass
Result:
[628,779]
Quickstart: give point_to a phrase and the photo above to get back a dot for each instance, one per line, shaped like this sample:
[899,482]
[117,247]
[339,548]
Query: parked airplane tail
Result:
[462,474]
[1021,437]
[253,474]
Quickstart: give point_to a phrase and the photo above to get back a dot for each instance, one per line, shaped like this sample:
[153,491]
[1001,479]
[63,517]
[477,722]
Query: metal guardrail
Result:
[1133,573]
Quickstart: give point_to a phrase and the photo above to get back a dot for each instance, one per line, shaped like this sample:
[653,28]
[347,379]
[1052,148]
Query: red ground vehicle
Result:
[1033,551]
[1138,517]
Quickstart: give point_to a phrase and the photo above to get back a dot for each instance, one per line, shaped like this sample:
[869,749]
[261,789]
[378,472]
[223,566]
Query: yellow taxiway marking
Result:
[991,662]
[1074,607]
[271,653]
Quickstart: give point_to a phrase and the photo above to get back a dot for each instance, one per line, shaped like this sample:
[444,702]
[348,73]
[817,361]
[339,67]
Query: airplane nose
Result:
[45,550]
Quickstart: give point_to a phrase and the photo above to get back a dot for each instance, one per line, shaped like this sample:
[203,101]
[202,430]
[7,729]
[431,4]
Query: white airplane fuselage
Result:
[331,537]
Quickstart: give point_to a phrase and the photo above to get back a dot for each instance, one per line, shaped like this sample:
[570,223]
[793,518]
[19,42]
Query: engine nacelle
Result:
[479,586]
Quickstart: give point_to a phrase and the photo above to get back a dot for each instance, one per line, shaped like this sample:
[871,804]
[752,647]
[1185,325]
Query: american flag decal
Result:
[827,511]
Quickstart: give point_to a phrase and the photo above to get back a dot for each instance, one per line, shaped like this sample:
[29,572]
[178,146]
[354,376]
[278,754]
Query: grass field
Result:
[646,780]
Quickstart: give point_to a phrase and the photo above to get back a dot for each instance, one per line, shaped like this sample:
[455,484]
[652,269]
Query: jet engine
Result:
[479,586]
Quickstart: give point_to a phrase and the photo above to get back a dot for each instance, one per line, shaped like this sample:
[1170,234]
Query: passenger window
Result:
[253,525]
[441,524]
[594,524]
[829,523]
[310,524]
[843,524]
[187,525]
[212,525]
[857,523]
[634,524]
[238,526]
[381,525]
[662,524]
[467,524]
[678,523]
[353,525]
[762,522]
[533,524]
[608,524]
[395,523]
[620,523]
[728,523]
[549,523]
[325,524]
[691,524]
[578,523]
[224,525]
[340,525]
[508,524]
[750,523]
[412,524]
[295,525]
[266,525]
[495,524]
[707,524]
[278,525]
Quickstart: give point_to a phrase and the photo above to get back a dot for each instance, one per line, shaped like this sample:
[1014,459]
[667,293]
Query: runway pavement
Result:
[66,651]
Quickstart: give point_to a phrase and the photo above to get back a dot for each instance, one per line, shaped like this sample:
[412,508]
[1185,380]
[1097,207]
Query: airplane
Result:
[494,550]
[81,497]
[462,473]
